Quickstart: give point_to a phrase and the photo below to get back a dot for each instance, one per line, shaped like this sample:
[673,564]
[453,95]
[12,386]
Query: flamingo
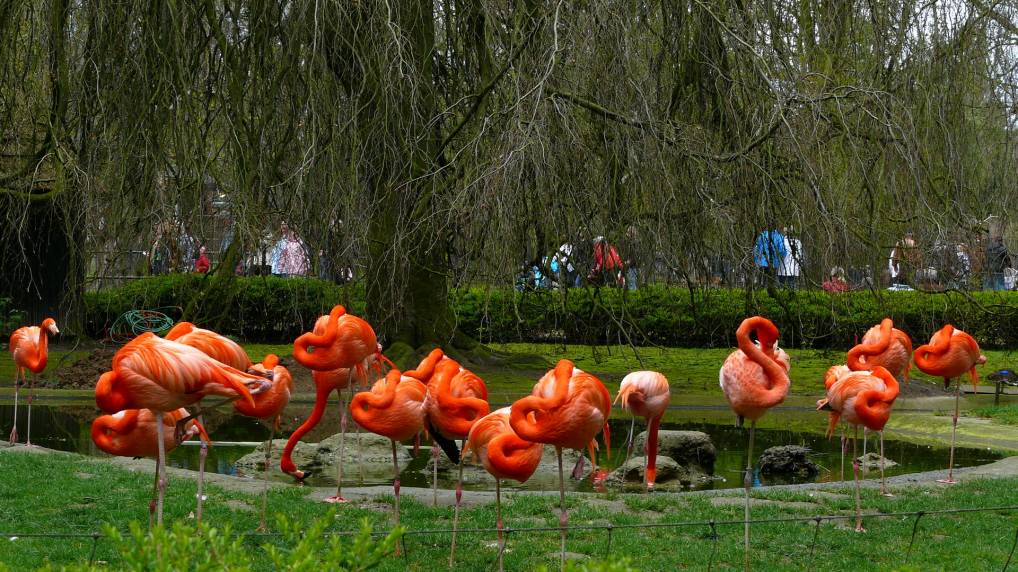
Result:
[456,399]
[567,408]
[268,406]
[754,379]
[393,408]
[218,347]
[29,348]
[646,393]
[339,341]
[886,346]
[505,456]
[133,433]
[950,353]
[424,373]
[343,345]
[862,398]
[162,375]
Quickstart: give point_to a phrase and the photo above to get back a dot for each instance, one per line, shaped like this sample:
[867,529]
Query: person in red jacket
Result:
[202,264]
[608,265]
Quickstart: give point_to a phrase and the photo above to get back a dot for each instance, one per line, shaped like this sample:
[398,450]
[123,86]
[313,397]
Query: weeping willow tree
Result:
[459,139]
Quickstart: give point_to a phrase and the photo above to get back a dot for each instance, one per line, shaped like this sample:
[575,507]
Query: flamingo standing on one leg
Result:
[889,347]
[861,398]
[646,393]
[133,433]
[505,456]
[29,348]
[950,353]
[754,379]
[425,373]
[567,408]
[455,400]
[343,345]
[268,406]
[393,408]
[162,375]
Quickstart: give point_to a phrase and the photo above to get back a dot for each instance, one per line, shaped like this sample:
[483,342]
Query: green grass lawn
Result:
[1006,414]
[71,494]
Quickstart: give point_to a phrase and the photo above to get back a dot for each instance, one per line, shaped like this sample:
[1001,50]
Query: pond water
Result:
[67,427]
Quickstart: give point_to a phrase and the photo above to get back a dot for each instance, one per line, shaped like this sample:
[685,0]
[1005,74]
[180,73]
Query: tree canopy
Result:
[458,139]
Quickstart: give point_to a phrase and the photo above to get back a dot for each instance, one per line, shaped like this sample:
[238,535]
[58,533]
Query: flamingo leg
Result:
[954,434]
[629,441]
[498,522]
[844,445]
[883,482]
[342,449]
[31,397]
[456,514]
[265,485]
[202,454]
[395,484]
[563,521]
[747,484]
[865,439]
[17,389]
[160,468]
[434,473]
[650,470]
[855,470]
[152,501]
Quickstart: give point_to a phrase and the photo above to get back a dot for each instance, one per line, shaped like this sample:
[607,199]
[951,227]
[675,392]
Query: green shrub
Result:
[301,548]
[10,319]
[274,309]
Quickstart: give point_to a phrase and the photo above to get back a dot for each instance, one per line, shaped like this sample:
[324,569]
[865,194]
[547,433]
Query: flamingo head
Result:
[106,395]
[50,325]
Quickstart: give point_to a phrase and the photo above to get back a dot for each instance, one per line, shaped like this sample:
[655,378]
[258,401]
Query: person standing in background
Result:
[630,249]
[768,253]
[289,256]
[791,262]
[998,260]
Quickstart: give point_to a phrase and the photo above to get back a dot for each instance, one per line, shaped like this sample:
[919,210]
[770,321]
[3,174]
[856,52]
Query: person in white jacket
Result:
[791,265]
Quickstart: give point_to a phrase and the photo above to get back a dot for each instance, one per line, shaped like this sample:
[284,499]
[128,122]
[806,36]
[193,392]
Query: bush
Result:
[300,549]
[277,309]
[10,319]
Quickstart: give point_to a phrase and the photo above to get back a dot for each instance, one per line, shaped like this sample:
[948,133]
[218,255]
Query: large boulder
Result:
[691,449]
[871,462]
[788,461]
[667,470]
[372,452]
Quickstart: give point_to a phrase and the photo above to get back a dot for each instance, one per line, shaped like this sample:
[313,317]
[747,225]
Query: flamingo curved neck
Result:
[777,379]
[874,349]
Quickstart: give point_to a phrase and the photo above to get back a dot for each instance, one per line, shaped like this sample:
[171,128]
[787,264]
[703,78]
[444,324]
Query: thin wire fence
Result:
[609,529]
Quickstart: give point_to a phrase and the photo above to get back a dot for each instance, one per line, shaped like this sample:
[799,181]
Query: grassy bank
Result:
[42,493]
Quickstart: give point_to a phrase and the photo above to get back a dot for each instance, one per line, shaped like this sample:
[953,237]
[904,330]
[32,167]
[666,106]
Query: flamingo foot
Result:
[947,481]
[335,499]
[859,528]
[14,436]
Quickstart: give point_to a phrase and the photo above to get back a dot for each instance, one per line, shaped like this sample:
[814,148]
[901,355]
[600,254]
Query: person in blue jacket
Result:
[768,254]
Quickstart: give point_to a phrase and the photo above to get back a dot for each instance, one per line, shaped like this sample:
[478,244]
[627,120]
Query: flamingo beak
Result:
[824,405]
[53,330]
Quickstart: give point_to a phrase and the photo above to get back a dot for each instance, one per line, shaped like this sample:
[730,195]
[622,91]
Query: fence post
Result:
[816,533]
[95,541]
[915,528]
[714,547]
[1008,563]
[609,528]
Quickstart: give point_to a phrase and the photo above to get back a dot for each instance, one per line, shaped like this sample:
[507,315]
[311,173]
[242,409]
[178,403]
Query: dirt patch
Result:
[82,374]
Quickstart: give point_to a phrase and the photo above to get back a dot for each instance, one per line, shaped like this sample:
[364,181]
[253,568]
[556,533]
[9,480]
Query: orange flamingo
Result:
[29,347]
[342,341]
[455,400]
[269,406]
[883,345]
[393,408]
[861,398]
[343,346]
[646,393]
[950,353]
[886,346]
[754,379]
[505,456]
[218,347]
[133,433]
[567,408]
[162,375]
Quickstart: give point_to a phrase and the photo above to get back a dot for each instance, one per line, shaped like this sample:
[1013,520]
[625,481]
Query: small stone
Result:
[790,460]
[871,461]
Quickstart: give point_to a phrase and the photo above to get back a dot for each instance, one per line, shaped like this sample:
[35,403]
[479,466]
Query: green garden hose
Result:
[136,322]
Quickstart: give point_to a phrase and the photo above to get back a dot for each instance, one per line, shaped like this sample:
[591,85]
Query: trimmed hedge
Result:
[279,309]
